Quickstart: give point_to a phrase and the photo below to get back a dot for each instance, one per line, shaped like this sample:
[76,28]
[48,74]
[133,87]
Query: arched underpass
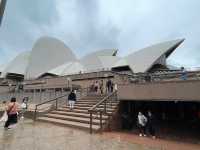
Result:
[175,105]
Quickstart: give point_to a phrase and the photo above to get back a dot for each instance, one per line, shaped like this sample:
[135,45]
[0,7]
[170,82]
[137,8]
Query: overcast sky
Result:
[90,25]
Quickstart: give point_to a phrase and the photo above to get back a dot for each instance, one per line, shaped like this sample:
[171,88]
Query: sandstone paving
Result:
[28,135]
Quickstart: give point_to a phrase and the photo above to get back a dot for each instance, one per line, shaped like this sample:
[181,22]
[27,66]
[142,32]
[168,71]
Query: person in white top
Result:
[142,121]
[24,106]
[115,87]
[96,86]
[4,118]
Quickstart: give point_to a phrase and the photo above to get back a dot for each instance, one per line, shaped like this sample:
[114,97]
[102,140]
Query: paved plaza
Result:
[28,135]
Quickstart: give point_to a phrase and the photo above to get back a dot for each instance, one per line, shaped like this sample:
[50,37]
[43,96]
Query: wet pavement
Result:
[28,135]
[159,143]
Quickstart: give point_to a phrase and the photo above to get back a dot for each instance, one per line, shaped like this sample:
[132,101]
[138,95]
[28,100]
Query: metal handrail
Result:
[56,99]
[52,100]
[101,102]
[94,109]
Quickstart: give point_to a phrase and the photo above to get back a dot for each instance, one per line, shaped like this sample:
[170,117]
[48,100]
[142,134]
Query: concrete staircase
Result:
[79,116]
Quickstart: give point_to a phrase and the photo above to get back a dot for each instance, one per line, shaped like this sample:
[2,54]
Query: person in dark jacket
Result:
[151,124]
[108,86]
[71,99]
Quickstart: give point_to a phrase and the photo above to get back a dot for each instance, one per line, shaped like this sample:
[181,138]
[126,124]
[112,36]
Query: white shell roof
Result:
[121,62]
[68,68]
[48,53]
[93,61]
[108,61]
[144,59]
[18,65]
[2,67]
[103,52]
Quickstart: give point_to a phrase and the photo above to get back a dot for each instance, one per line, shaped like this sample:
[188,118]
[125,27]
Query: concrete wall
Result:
[171,90]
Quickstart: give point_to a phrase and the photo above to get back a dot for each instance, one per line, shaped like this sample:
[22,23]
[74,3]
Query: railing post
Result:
[105,106]
[35,113]
[40,95]
[101,125]
[87,91]
[56,104]
[90,122]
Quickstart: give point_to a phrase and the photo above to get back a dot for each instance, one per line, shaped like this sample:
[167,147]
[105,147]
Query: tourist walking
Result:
[108,86]
[72,99]
[91,87]
[96,86]
[101,86]
[112,87]
[24,106]
[183,74]
[12,111]
[142,121]
[151,124]
[115,87]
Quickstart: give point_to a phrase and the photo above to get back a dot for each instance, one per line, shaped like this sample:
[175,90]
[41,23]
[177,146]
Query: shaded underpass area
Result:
[174,120]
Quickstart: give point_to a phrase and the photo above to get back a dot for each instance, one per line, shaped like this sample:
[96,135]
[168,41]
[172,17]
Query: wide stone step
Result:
[83,102]
[74,118]
[87,108]
[74,110]
[86,102]
[68,123]
[93,101]
[78,110]
[92,98]
[78,114]
[90,105]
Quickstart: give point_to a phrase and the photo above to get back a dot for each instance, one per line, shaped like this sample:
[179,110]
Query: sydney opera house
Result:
[51,56]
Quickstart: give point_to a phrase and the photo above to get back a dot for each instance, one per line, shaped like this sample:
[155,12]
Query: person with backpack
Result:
[142,121]
[72,99]
[12,111]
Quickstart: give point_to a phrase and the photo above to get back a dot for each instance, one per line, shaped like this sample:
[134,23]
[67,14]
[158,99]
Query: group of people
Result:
[98,86]
[146,123]
[11,111]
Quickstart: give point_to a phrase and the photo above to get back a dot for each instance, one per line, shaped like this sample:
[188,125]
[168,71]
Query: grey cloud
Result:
[86,26]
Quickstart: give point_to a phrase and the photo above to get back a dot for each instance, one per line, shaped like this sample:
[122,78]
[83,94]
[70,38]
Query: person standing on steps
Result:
[96,86]
[12,112]
[108,86]
[115,87]
[101,86]
[71,99]
[183,74]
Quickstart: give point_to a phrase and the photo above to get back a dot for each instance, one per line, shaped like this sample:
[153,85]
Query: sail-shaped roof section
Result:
[93,62]
[142,60]
[67,69]
[2,67]
[48,53]
[108,61]
[18,65]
